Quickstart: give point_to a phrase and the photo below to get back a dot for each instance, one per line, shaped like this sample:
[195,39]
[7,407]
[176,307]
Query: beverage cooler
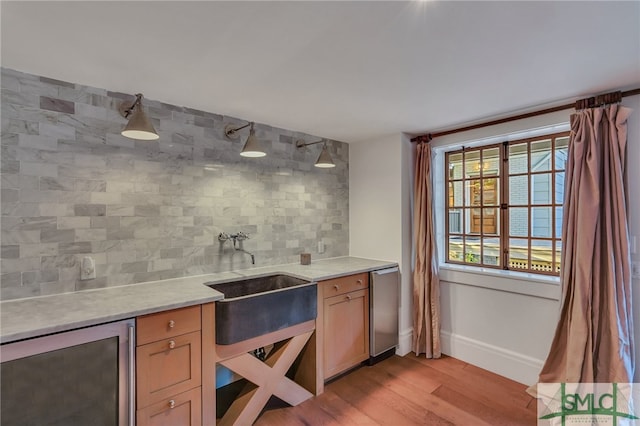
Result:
[384,303]
[79,377]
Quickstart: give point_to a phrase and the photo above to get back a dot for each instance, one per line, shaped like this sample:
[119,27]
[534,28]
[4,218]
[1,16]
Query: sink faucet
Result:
[239,236]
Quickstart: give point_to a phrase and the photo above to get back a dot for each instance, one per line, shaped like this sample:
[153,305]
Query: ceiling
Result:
[350,71]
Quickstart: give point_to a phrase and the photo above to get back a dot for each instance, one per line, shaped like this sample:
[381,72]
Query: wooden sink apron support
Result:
[268,376]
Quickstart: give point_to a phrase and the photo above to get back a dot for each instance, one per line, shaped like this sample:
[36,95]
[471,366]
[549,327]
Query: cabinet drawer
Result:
[168,367]
[163,325]
[346,284]
[183,409]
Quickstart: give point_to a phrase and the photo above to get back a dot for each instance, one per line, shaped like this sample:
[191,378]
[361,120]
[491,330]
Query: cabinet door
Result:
[346,331]
[168,367]
[183,409]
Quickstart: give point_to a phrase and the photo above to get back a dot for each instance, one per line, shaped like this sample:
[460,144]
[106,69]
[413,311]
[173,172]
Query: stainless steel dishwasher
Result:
[384,297]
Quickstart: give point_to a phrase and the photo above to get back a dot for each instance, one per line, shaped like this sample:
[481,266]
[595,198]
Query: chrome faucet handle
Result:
[241,236]
[223,236]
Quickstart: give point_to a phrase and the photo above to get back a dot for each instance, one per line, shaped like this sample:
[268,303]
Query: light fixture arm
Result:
[231,131]
[126,109]
[301,144]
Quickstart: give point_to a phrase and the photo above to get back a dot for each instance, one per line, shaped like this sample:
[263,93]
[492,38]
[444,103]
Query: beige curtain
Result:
[426,285]
[594,337]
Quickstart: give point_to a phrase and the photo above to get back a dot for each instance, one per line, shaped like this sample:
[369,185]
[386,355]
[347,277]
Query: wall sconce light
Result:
[324,160]
[252,147]
[139,125]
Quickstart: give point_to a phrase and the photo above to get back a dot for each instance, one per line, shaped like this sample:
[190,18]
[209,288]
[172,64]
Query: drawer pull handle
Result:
[172,344]
[359,282]
[348,297]
[336,286]
[172,404]
[172,324]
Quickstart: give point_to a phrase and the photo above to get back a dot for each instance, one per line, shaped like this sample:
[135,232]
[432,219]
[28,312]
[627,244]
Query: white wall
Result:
[633,165]
[486,321]
[378,212]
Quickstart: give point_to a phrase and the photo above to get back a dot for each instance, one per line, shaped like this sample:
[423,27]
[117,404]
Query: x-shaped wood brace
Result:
[269,377]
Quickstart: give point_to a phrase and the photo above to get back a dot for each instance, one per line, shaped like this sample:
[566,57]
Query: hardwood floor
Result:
[413,390]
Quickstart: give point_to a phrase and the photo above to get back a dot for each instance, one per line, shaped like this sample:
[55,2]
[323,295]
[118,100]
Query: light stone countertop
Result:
[37,316]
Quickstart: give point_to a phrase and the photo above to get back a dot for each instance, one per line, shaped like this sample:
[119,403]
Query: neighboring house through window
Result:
[504,204]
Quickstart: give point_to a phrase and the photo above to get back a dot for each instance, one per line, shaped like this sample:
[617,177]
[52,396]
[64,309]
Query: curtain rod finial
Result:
[422,138]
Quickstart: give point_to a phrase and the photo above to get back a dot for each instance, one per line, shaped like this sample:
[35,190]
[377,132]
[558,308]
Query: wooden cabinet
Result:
[168,370]
[181,409]
[341,339]
[345,323]
[167,367]
[162,325]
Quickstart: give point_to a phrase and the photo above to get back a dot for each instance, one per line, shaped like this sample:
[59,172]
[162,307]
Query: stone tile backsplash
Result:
[72,186]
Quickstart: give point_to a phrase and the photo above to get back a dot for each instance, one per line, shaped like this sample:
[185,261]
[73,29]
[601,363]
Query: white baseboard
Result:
[513,365]
[404,342]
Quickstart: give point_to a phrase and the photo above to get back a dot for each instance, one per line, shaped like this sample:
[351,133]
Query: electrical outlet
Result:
[87,268]
[320,247]
[635,270]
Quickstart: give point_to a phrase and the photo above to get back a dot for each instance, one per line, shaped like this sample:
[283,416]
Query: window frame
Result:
[504,205]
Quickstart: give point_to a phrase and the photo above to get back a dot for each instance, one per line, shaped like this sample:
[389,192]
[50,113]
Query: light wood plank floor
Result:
[413,390]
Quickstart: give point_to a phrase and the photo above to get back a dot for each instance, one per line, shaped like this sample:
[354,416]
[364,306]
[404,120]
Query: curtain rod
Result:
[591,102]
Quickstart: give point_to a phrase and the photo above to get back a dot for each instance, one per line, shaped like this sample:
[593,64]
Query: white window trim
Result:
[544,286]
[537,285]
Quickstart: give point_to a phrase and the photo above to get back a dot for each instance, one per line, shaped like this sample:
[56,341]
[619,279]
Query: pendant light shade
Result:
[139,125]
[324,160]
[252,147]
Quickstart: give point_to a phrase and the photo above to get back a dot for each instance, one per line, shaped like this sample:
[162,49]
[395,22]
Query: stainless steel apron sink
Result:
[253,307]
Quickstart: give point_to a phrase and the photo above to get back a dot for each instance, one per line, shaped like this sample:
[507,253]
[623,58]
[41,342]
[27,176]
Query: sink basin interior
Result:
[250,286]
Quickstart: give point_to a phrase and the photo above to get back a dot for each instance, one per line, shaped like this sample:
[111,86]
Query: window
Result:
[504,204]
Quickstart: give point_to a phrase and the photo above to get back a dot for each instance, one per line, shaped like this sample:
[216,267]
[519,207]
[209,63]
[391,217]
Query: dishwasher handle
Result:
[385,271]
